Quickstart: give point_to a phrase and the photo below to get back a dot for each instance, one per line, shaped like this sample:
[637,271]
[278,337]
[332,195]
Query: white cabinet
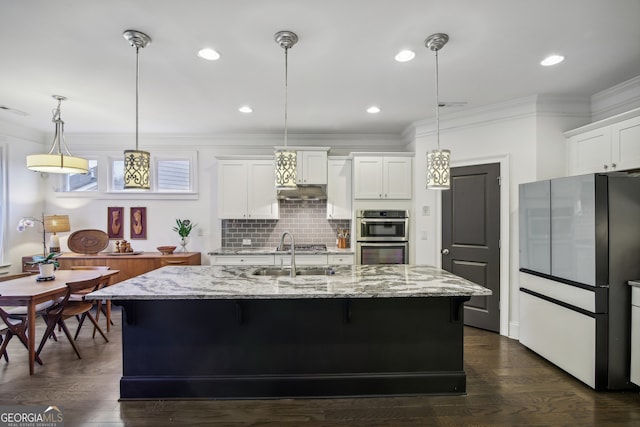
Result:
[340,259]
[311,167]
[339,189]
[635,335]
[242,260]
[246,189]
[282,259]
[301,259]
[387,177]
[605,148]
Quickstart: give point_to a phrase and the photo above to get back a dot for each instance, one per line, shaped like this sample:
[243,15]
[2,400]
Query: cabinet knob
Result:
[606,167]
[385,195]
[613,165]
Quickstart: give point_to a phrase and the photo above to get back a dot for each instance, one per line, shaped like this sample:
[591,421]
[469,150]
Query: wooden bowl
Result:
[166,250]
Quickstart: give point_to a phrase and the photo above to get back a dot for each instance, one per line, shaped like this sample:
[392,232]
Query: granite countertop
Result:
[232,282]
[274,251]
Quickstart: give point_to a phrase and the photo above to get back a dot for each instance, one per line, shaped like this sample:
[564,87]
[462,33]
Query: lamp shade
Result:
[285,169]
[56,223]
[438,177]
[57,163]
[137,165]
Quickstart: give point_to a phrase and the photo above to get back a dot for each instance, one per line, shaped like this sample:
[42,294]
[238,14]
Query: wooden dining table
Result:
[26,291]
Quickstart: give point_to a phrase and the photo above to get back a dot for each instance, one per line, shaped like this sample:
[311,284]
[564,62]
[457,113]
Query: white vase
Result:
[183,243]
[46,270]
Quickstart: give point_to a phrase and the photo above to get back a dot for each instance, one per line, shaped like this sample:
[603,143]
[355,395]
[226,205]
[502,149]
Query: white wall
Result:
[31,193]
[25,193]
[525,136]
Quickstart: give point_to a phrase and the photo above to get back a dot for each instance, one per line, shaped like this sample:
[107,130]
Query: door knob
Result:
[444,251]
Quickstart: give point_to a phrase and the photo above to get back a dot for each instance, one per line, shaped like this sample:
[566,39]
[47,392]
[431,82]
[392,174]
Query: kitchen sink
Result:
[299,272]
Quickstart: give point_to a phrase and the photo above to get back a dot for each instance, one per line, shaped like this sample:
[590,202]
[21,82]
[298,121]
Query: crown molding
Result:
[530,106]
[616,99]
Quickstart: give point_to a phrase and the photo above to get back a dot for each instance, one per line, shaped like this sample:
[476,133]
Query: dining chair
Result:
[103,306]
[66,308]
[15,320]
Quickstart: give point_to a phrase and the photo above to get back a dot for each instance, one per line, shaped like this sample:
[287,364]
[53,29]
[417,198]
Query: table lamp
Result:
[54,224]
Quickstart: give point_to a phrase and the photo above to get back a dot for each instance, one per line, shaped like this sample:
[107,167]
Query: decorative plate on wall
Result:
[88,242]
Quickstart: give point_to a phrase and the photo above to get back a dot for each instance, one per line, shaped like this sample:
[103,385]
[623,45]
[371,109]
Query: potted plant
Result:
[46,264]
[183,228]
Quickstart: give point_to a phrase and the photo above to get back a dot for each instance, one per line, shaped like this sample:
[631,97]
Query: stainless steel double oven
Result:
[382,237]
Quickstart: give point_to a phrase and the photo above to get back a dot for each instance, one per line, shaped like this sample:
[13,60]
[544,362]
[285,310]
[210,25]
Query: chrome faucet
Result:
[293,251]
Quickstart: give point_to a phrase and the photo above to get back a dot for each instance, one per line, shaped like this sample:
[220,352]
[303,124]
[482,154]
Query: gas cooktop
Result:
[306,247]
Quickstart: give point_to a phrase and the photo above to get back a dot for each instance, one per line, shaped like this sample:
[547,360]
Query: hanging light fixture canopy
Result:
[137,163]
[438,170]
[285,159]
[59,158]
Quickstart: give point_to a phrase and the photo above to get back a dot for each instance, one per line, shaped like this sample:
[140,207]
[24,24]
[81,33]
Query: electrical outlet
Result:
[246,242]
[424,235]
[426,211]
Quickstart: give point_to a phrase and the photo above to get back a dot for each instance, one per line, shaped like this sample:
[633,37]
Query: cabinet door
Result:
[262,200]
[535,226]
[336,259]
[367,178]
[573,234]
[625,144]
[339,189]
[301,259]
[311,167]
[590,152]
[397,177]
[242,260]
[232,189]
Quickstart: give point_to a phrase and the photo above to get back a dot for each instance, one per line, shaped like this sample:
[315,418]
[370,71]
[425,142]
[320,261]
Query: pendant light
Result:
[137,163]
[285,160]
[438,171]
[56,161]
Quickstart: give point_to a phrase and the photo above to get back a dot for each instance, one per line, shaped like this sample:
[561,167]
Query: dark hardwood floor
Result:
[507,385]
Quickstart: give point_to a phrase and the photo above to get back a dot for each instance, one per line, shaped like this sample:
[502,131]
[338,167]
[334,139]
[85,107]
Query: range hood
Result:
[303,192]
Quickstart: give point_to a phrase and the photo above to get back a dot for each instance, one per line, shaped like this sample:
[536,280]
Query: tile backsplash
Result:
[306,220]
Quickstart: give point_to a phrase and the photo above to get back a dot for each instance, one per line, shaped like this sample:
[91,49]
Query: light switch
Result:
[424,235]
[426,210]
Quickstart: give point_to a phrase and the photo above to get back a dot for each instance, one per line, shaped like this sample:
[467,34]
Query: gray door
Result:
[471,238]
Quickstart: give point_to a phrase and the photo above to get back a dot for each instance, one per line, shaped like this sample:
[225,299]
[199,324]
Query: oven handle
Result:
[389,243]
[391,220]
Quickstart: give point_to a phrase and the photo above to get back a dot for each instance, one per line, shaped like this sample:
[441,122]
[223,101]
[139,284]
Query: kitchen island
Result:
[224,332]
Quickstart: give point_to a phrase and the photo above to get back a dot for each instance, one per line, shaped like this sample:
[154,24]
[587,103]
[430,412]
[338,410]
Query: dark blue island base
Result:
[288,348]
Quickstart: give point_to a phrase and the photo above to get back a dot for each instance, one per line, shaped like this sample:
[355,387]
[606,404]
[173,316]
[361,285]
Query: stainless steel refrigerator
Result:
[579,245]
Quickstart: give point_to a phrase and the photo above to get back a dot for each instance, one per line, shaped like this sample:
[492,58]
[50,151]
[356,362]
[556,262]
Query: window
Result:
[84,181]
[173,175]
[171,172]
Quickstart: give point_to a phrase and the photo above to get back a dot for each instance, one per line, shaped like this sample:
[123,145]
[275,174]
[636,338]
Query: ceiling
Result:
[342,64]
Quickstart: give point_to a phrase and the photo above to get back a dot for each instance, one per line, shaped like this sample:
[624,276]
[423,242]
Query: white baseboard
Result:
[514,330]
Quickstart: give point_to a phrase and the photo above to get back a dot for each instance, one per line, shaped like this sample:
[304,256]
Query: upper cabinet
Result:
[311,167]
[609,145]
[339,189]
[246,189]
[382,177]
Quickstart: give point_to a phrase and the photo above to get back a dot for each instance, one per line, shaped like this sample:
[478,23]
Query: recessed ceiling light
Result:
[373,110]
[405,55]
[245,109]
[552,60]
[208,54]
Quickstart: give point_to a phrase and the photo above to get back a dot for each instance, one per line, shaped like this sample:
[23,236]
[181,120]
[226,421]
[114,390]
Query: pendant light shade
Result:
[438,170]
[137,163]
[285,160]
[59,158]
